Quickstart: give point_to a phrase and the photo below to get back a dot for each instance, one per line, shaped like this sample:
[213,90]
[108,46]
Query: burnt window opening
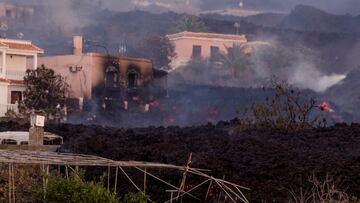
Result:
[111,77]
[132,79]
[215,53]
[16,97]
[8,13]
[196,52]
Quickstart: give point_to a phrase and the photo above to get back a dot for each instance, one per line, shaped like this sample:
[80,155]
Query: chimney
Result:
[78,45]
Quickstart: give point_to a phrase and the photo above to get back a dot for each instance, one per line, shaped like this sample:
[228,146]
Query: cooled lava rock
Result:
[270,162]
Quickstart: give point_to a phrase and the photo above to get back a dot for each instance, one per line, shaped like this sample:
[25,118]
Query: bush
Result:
[135,198]
[285,107]
[321,191]
[74,189]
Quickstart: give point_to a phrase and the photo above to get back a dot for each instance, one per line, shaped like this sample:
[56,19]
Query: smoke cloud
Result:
[192,6]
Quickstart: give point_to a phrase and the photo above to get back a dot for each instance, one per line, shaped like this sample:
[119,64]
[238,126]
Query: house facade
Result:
[190,45]
[14,61]
[103,76]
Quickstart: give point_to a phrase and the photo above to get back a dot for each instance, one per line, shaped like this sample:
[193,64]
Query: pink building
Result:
[202,45]
[89,72]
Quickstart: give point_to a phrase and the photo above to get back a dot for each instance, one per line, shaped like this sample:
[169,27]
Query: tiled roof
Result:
[20,45]
[207,35]
[20,82]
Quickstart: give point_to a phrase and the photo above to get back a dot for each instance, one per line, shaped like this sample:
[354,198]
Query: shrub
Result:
[321,191]
[74,189]
[135,198]
[285,107]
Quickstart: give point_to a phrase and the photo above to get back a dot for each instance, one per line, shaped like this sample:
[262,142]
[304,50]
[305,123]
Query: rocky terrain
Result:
[270,162]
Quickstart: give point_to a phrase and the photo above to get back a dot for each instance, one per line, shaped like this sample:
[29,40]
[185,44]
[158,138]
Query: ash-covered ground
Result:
[270,162]
[192,105]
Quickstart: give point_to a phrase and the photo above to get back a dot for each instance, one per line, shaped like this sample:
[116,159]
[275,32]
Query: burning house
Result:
[108,79]
[13,66]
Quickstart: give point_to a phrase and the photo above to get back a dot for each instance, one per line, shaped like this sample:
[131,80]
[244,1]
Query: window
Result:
[196,51]
[8,13]
[9,142]
[112,77]
[132,79]
[215,52]
[16,96]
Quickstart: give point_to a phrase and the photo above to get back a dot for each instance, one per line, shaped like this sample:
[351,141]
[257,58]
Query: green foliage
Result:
[236,59]
[190,23]
[74,189]
[135,198]
[45,90]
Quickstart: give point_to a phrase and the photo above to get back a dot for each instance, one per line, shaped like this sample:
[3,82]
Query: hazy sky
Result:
[333,6]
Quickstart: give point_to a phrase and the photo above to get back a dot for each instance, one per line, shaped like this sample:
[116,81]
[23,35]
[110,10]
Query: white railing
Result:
[6,107]
[15,74]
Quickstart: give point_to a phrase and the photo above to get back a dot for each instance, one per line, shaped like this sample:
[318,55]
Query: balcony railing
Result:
[15,74]
[8,107]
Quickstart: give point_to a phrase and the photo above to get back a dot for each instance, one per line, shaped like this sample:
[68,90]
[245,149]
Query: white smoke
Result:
[63,13]
[305,75]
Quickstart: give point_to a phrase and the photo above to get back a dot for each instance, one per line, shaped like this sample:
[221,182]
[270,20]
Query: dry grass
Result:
[321,191]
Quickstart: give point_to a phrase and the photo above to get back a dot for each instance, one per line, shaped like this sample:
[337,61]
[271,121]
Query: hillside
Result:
[309,18]
[266,19]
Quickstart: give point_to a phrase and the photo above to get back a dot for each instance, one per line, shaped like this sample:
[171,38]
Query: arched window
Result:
[132,79]
[112,76]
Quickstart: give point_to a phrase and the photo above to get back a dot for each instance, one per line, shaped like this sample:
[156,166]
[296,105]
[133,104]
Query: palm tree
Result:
[236,58]
[190,23]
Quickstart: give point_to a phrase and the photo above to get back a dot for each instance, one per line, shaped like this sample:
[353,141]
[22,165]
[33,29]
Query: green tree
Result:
[75,190]
[190,23]
[236,59]
[159,49]
[45,90]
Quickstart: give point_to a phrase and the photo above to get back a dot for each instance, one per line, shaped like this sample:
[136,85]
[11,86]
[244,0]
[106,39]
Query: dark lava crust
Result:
[268,161]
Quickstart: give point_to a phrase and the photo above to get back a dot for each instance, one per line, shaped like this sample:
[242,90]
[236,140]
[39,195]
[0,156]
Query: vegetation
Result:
[190,23]
[159,49]
[135,198]
[285,107]
[236,59]
[321,191]
[76,190]
[45,90]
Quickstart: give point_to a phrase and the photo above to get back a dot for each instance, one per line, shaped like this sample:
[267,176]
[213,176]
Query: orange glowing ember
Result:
[136,98]
[325,106]
[188,186]
[154,104]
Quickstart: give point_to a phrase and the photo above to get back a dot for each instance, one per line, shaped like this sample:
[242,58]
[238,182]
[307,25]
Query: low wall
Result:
[5,107]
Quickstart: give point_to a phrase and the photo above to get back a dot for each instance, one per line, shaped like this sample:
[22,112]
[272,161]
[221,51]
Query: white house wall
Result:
[3,98]
[15,67]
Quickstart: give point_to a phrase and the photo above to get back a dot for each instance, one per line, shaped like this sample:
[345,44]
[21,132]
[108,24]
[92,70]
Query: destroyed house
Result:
[98,75]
